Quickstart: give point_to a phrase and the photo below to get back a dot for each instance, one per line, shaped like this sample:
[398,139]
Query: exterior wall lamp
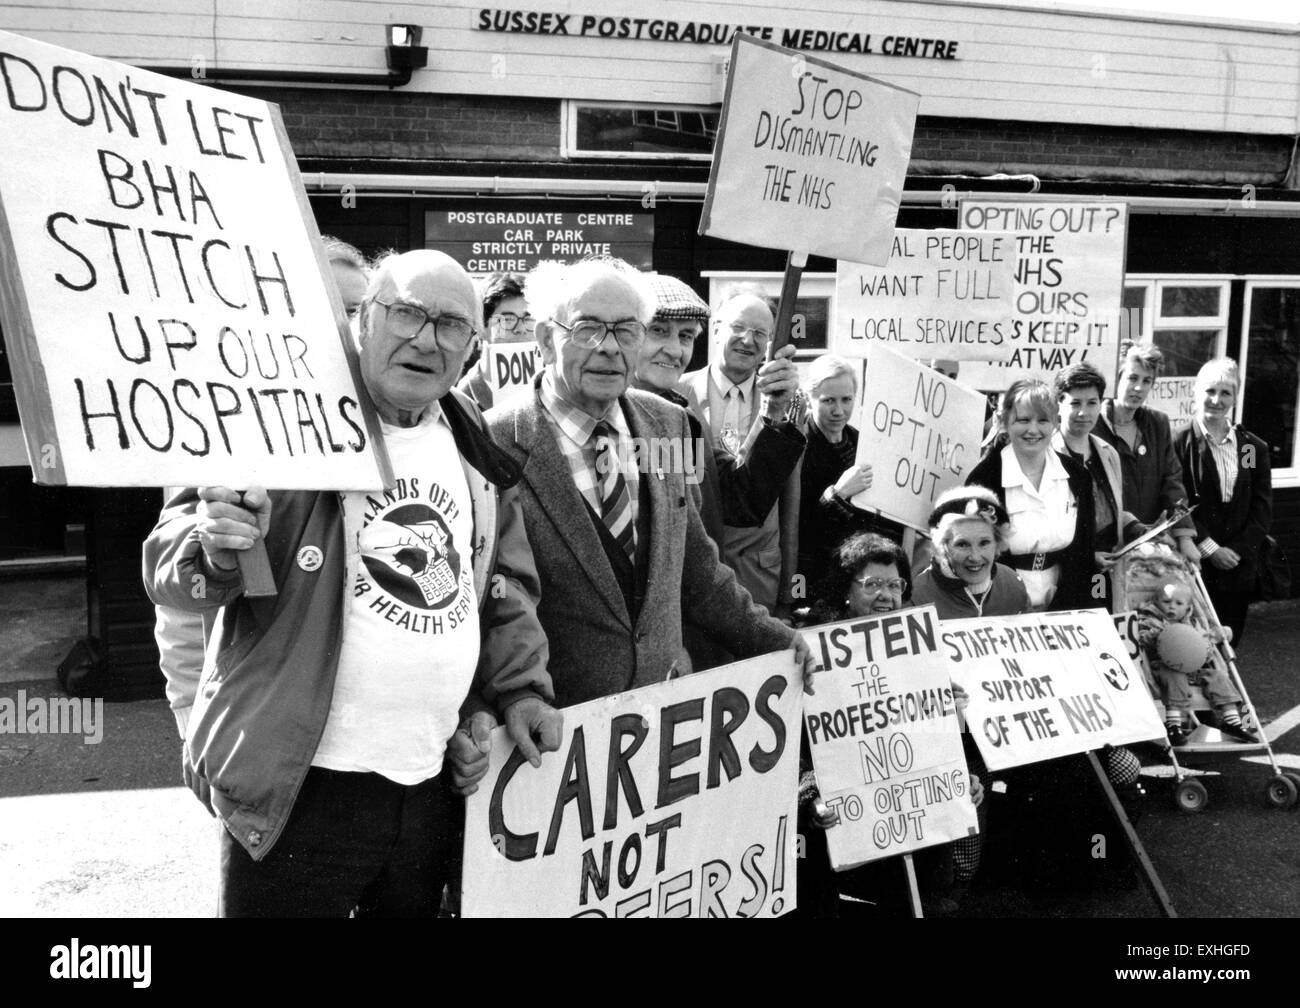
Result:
[402,50]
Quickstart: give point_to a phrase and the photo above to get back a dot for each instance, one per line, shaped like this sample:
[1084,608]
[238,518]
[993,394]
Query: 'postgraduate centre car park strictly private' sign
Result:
[514,241]
[165,301]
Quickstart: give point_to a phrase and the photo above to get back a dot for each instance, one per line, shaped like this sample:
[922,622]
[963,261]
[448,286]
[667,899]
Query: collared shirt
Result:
[574,429]
[1224,454]
[731,407]
[1042,519]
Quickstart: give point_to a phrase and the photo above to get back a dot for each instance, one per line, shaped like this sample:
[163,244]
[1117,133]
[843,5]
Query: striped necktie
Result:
[615,501]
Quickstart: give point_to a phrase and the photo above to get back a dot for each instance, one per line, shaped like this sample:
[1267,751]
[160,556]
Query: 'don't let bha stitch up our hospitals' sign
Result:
[167,308]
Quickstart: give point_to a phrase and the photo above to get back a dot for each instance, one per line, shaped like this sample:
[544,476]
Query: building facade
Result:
[555,129]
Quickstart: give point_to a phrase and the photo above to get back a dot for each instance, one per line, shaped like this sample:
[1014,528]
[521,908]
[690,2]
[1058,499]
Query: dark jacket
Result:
[734,492]
[1153,477]
[1074,590]
[826,520]
[1240,523]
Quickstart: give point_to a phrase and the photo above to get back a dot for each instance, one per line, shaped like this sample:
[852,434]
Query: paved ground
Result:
[103,830]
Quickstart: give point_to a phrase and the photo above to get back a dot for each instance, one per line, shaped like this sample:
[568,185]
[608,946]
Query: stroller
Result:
[1135,577]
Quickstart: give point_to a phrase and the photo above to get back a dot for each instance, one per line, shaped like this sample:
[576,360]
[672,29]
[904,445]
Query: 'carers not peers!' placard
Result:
[166,307]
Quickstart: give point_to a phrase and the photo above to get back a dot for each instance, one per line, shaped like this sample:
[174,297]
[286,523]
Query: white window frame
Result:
[816,285]
[1287,476]
[1155,283]
[569,131]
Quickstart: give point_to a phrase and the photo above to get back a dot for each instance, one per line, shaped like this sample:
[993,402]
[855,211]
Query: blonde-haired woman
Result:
[1228,475]
[831,476]
[1048,498]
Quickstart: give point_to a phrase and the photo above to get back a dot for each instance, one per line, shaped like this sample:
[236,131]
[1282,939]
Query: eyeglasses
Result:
[738,330]
[874,586]
[406,320]
[509,321]
[591,333]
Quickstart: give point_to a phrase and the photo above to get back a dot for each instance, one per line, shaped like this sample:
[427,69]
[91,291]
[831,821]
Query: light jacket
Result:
[266,689]
[1124,520]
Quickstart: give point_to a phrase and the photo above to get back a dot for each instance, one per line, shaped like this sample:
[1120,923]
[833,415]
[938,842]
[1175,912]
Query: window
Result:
[623,130]
[813,308]
[1187,318]
[1270,364]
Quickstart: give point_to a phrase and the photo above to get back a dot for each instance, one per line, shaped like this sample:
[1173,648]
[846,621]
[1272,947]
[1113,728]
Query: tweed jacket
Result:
[596,648]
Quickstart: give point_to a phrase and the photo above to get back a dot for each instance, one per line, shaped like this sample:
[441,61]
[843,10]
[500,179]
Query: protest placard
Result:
[166,303]
[512,368]
[885,740]
[1069,284]
[1174,397]
[676,800]
[944,294]
[920,432]
[1044,685]
[810,157]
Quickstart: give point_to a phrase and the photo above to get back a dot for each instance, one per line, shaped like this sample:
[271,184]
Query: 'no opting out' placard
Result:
[885,739]
[810,157]
[919,431]
[165,302]
[943,294]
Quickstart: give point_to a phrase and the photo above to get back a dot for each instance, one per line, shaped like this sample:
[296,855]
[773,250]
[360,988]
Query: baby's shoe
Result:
[1177,732]
[1230,724]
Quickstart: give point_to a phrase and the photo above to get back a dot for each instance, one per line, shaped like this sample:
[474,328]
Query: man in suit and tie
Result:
[618,542]
[733,394]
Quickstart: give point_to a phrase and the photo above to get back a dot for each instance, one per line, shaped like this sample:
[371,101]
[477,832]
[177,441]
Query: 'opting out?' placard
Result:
[943,294]
[676,800]
[1069,286]
[166,307]
[885,738]
[810,157]
[920,432]
[1044,685]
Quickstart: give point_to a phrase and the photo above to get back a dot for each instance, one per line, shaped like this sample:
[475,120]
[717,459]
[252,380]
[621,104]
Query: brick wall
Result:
[413,126]
[1098,153]
[429,127]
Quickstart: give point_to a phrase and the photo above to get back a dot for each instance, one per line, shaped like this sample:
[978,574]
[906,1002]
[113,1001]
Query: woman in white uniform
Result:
[1048,497]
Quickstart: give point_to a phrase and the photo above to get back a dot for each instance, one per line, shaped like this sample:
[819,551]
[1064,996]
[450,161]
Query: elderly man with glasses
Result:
[619,543]
[737,396]
[508,321]
[325,715]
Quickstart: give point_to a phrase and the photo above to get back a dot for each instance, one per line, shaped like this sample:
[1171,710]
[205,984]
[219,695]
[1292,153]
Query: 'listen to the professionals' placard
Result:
[810,157]
[1069,286]
[676,800]
[1044,685]
[885,738]
[919,431]
[166,305]
[945,294]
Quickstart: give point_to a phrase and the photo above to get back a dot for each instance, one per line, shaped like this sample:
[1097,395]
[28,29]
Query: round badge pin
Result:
[310,558]
[1142,449]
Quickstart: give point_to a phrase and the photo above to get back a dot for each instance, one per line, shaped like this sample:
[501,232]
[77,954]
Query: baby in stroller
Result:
[1181,652]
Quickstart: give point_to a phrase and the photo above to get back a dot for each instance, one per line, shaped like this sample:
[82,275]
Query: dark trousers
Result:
[354,842]
[1230,604]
